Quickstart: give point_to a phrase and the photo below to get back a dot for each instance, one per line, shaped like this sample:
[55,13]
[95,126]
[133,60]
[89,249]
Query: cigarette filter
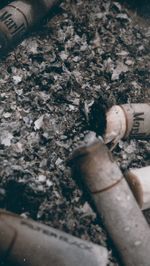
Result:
[27,243]
[17,17]
[127,120]
[125,223]
[139,182]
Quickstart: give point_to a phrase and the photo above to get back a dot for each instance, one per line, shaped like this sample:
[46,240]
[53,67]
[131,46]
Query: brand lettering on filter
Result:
[54,234]
[12,26]
[138,118]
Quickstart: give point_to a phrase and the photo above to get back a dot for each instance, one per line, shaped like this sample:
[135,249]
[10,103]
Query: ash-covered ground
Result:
[88,50]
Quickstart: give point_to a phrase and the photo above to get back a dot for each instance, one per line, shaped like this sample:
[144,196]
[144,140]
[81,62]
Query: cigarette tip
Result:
[89,141]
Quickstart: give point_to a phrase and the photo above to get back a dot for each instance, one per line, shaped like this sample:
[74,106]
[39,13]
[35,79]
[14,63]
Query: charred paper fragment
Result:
[139,182]
[124,221]
[27,243]
[127,120]
[17,17]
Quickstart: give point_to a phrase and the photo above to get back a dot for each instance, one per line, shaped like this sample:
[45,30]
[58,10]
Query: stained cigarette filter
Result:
[127,120]
[139,182]
[18,16]
[94,166]
[24,242]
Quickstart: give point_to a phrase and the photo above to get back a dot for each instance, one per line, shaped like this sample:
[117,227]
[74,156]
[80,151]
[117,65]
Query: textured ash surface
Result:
[91,49]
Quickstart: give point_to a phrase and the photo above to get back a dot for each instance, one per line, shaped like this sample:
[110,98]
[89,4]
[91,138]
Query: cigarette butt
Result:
[127,120]
[24,242]
[124,221]
[139,182]
[17,17]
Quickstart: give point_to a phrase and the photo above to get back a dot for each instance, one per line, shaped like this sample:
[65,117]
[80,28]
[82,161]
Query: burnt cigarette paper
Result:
[94,165]
[24,242]
[139,182]
[17,18]
[127,120]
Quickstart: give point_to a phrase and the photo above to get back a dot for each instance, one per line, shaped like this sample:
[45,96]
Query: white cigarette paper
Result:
[124,221]
[24,242]
[139,182]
